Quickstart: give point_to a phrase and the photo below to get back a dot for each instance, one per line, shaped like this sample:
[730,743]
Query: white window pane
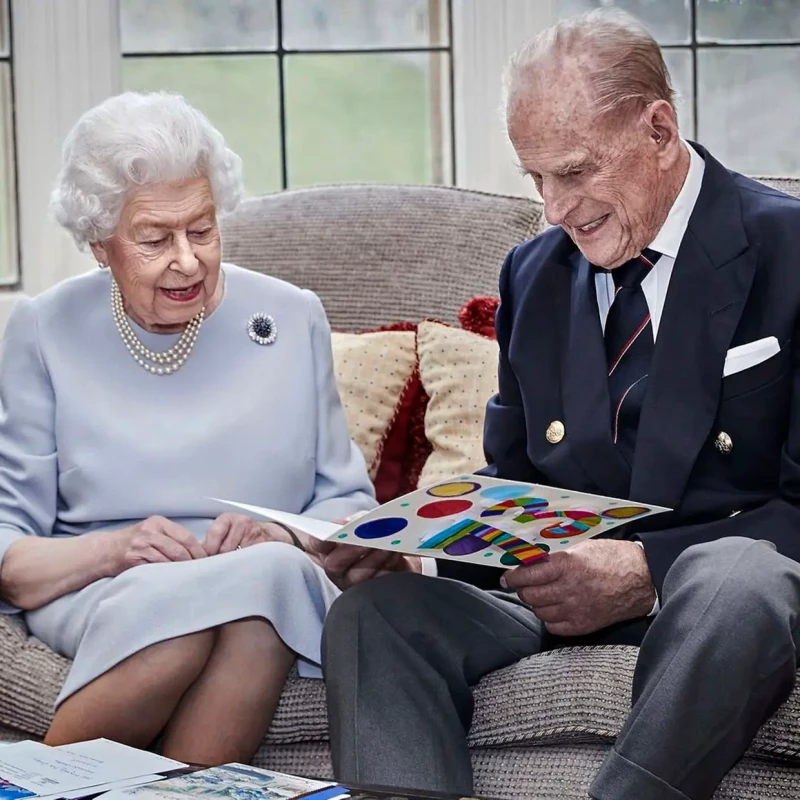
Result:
[4,27]
[381,118]
[326,25]
[748,20]
[8,238]
[167,26]
[679,64]
[239,94]
[669,21]
[747,118]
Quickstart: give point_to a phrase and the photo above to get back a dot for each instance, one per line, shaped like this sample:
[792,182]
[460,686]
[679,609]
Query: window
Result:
[8,225]
[306,91]
[736,67]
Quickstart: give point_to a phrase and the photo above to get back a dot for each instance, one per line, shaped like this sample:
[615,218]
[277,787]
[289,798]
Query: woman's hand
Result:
[155,540]
[348,564]
[231,531]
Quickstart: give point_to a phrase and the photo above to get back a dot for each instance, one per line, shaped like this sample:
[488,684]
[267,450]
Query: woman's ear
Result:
[99,252]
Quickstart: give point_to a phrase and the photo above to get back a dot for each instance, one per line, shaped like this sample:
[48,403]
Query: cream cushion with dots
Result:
[372,370]
[458,370]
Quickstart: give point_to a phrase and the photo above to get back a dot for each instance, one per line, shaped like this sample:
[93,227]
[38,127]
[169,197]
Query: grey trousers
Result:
[401,654]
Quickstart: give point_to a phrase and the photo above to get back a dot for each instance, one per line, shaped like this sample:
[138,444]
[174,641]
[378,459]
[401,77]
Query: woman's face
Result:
[165,254]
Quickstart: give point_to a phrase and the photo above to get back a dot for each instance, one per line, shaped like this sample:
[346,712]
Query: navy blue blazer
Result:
[736,280]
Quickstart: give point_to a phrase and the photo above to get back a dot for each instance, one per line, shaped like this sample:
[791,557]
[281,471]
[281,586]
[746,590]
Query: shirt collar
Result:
[669,238]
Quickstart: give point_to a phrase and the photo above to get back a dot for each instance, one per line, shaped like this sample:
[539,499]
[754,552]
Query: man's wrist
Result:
[650,604]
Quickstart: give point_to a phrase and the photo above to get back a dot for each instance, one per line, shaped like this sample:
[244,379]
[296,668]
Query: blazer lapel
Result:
[587,409]
[707,292]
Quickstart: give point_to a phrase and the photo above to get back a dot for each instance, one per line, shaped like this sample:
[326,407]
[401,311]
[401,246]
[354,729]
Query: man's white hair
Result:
[623,63]
[131,141]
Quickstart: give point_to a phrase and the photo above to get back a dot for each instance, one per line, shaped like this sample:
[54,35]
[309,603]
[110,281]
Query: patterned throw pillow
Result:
[458,370]
[373,371]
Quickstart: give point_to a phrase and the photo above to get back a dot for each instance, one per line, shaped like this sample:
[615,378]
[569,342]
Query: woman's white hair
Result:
[623,62]
[131,141]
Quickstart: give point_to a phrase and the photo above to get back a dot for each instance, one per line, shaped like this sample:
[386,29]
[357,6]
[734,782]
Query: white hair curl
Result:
[134,140]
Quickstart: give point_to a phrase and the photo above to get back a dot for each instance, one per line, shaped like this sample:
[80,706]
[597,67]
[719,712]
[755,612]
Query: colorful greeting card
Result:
[478,519]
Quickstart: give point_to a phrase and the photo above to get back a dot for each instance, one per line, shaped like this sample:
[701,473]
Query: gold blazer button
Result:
[555,431]
[723,443]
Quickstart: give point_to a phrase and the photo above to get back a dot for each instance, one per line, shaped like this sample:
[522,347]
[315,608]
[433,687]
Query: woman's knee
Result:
[182,658]
[251,638]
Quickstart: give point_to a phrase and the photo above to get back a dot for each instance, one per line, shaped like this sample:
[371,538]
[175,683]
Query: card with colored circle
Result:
[479,519]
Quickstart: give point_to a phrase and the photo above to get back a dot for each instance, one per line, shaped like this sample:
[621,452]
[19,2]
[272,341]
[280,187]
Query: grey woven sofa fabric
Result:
[382,254]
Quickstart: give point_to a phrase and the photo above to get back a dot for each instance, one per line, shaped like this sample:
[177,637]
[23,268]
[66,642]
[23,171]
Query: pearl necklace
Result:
[165,362]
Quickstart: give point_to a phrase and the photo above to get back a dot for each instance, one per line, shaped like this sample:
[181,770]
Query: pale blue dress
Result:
[90,441]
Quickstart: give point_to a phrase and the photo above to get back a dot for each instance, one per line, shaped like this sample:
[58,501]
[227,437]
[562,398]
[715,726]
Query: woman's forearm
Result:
[36,569]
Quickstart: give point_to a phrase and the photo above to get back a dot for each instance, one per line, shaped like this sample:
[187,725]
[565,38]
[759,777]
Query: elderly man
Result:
[648,350]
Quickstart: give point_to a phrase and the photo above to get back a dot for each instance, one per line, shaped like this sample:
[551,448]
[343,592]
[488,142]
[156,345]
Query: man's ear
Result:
[99,252]
[660,118]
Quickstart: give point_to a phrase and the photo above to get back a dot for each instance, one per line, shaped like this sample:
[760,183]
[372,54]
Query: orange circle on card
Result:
[455,489]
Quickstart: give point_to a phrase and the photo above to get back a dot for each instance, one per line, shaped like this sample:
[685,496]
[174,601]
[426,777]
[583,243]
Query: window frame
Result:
[490,32]
[13,280]
[65,60]
[281,53]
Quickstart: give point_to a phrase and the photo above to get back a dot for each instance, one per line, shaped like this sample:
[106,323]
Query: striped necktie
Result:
[629,349]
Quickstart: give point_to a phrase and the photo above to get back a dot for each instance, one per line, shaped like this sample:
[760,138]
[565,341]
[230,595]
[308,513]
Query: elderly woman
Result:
[129,398]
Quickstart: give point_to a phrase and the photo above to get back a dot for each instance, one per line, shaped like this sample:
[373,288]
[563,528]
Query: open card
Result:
[478,519]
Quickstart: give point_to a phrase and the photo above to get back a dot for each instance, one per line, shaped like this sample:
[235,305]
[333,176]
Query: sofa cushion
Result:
[376,254]
[576,695]
[459,373]
[372,372]
[567,696]
[31,676]
[477,315]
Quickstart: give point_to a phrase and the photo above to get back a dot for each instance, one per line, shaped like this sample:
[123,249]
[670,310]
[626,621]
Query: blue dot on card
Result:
[488,555]
[405,505]
[564,541]
[342,536]
[500,493]
[378,528]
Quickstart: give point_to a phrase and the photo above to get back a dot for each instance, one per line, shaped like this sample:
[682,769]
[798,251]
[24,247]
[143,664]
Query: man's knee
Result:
[747,578]
[388,598]
[388,594]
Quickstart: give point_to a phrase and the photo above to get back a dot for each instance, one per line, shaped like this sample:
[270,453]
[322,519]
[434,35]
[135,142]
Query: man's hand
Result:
[348,564]
[587,587]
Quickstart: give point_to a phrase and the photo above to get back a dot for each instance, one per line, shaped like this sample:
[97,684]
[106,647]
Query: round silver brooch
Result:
[261,328]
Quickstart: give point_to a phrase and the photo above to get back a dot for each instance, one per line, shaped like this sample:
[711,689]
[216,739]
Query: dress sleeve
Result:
[28,464]
[342,483]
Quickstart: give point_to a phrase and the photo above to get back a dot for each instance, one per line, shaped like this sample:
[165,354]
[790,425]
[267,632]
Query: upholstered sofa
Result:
[378,255]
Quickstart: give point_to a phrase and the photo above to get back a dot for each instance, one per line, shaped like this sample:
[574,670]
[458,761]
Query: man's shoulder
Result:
[766,206]
[552,246]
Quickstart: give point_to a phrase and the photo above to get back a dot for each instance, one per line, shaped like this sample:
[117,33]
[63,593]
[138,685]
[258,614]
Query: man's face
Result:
[600,178]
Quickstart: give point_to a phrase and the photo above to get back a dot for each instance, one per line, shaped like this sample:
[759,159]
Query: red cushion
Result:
[395,470]
[404,449]
[477,315]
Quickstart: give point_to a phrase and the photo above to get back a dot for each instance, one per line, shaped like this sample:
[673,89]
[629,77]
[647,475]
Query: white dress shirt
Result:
[667,243]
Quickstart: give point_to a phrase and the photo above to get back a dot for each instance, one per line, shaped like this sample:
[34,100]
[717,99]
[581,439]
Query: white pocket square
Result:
[748,355]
